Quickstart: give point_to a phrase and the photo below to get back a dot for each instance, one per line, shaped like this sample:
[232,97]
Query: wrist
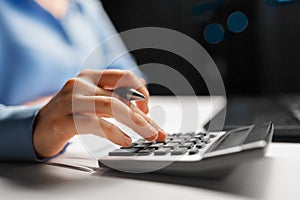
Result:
[48,141]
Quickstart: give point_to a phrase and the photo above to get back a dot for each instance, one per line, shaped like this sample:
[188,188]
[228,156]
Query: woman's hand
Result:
[80,105]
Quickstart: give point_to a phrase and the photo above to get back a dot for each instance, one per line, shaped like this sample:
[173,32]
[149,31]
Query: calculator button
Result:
[171,145]
[206,140]
[179,151]
[201,133]
[156,145]
[123,152]
[199,137]
[161,152]
[187,145]
[185,137]
[163,142]
[148,142]
[132,146]
[171,137]
[194,140]
[145,152]
[200,146]
[193,151]
[166,141]
[141,146]
[179,141]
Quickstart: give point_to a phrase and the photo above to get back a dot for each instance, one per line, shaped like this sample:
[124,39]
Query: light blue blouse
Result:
[38,53]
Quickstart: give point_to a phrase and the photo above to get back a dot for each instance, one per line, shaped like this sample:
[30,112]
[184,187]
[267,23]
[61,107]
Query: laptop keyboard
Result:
[175,144]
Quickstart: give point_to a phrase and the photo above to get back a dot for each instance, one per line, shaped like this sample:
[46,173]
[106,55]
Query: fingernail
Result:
[161,136]
[153,138]
[153,135]
[154,131]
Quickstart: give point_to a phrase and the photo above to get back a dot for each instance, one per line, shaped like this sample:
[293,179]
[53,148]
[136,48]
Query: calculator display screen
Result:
[235,138]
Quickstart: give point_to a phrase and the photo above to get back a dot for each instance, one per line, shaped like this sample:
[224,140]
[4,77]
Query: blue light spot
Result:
[214,33]
[237,22]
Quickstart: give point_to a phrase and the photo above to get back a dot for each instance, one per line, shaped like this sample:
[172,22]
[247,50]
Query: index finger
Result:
[112,78]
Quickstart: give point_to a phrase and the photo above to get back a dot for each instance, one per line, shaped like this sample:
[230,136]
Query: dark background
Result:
[264,59]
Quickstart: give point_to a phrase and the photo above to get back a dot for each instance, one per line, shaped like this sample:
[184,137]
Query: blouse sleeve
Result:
[16,131]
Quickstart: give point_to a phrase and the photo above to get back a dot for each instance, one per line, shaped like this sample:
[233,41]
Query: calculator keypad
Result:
[175,144]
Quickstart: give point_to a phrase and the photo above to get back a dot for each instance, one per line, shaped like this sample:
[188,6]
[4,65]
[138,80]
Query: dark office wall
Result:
[279,30]
[250,62]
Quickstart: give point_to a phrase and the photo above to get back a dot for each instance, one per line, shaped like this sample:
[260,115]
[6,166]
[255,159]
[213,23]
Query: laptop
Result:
[283,111]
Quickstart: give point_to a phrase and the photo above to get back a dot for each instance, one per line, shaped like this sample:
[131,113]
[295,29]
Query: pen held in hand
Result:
[129,94]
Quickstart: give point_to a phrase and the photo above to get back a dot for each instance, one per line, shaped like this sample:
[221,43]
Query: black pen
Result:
[129,94]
